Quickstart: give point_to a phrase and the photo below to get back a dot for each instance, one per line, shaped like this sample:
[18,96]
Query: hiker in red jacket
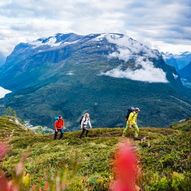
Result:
[59,127]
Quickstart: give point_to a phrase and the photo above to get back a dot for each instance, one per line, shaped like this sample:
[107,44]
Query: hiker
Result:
[85,124]
[132,121]
[59,127]
[131,109]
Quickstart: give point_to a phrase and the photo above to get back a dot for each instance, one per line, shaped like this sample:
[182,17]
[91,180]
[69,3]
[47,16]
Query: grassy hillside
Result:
[184,125]
[12,127]
[85,164]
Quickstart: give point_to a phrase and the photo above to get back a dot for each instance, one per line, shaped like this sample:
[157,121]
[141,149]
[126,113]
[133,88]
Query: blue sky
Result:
[162,24]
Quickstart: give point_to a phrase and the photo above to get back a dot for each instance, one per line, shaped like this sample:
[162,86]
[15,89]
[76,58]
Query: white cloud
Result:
[172,48]
[147,73]
[163,23]
[3,92]
[128,47]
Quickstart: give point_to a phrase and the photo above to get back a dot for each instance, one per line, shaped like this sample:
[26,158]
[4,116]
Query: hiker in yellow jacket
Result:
[132,121]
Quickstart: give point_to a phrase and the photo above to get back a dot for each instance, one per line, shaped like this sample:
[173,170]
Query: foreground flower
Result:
[6,185]
[3,150]
[125,168]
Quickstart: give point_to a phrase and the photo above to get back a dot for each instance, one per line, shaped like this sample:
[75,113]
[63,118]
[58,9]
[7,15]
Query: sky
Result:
[161,24]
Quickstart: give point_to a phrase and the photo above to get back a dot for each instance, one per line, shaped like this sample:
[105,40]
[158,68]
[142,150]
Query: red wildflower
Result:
[125,168]
[3,150]
[6,185]
[46,186]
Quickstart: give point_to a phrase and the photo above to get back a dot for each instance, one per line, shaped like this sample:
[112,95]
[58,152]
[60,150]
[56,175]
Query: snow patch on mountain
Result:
[51,42]
[175,76]
[128,48]
[103,36]
[145,72]
[70,73]
[71,42]
[122,54]
[3,92]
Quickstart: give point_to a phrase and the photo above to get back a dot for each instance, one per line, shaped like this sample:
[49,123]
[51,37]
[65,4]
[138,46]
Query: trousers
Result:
[61,133]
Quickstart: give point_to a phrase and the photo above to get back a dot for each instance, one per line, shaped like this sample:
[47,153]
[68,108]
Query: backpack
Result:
[81,119]
[128,113]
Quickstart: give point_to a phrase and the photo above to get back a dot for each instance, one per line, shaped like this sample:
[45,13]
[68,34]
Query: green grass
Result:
[9,126]
[164,156]
[184,125]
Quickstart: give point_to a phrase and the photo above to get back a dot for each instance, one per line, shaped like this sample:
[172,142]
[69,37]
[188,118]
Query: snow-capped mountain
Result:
[136,61]
[101,73]
[129,50]
[179,61]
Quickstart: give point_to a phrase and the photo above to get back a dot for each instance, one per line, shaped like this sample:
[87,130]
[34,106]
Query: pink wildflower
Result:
[125,168]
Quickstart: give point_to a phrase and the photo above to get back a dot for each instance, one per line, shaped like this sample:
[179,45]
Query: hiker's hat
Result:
[137,109]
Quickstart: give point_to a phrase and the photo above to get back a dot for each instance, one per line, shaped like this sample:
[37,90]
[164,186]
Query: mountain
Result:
[85,164]
[178,61]
[182,63]
[42,59]
[104,74]
[2,59]
[185,73]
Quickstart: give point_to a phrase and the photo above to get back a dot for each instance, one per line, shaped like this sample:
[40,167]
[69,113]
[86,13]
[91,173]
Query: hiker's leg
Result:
[87,131]
[125,129]
[83,130]
[136,130]
[55,134]
[61,133]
